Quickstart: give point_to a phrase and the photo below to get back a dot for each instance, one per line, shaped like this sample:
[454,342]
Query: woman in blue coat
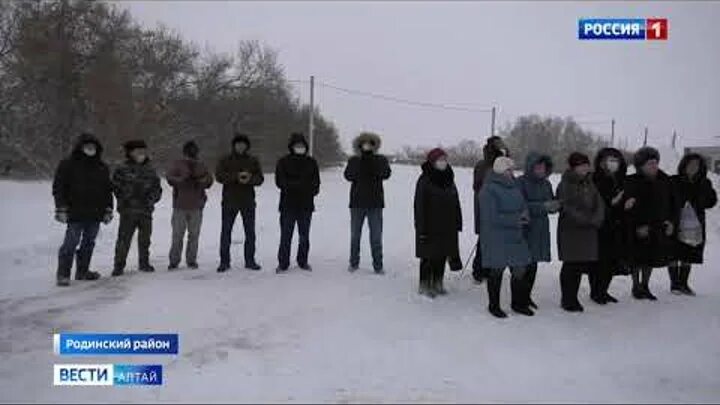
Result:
[538,193]
[504,214]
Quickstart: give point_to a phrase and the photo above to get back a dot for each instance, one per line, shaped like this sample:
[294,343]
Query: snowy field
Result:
[331,336]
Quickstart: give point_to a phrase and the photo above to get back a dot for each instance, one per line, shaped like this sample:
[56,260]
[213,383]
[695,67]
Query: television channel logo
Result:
[623,29]
[107,374]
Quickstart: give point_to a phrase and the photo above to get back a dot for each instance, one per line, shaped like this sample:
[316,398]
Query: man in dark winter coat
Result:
[298,177]
[239,173]
[438,220]
[494,148]
[649,219]
[541,202]
[692,188]
[609,179]
[367,170]
[83,198]
[189,178]
[137,189]
[581,216]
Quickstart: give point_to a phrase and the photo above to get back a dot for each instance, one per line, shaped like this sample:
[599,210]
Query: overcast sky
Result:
[523,57]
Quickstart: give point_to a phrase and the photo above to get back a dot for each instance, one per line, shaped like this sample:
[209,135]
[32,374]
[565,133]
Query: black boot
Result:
[530,274]
[425,287]
[637,290]
[82,271]
[439,285]
[519,291]
[683,276]
[494,283]
[674,274]
[570,278]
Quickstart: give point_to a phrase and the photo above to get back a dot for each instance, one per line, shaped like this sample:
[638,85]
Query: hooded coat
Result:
[367,171]
[298,178]
[502,238]
[438,217]
[482,167]
[537,191]
[236,194]
[581,216]
[81,186]
[612,235]
[700,194]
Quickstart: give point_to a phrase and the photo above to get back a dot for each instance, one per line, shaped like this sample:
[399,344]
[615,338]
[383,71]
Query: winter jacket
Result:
[438,217]
[701,196]
[236,194]
[189,179]
[82,186]
[366,171]
[298,178]
[502,238]
[612,237]
[581,216]
[137,187]
[653,206]
[537,192]
[482,167]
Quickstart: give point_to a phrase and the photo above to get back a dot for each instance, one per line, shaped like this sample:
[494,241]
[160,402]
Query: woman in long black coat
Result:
[609,178]
[689,185]
[650,216]
[438,220]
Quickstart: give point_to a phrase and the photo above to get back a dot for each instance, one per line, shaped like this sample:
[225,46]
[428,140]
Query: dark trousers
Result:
[432,272]
[600,278]
[77,233]
[679,274]
[479,273]
[129,222]
[375,223]
[530,274]
[288,219]
[229,215]
[570,277]
[518,287]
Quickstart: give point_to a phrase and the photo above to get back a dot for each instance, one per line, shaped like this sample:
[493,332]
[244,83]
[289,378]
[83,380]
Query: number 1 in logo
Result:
[657,29]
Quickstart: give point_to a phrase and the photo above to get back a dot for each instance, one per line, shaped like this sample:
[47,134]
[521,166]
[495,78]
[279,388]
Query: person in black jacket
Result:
[438,220]
[83,198]
[494,148]
[239,173]
[649,219]
[298,177]
[609,177]
[692,187]
[367,170]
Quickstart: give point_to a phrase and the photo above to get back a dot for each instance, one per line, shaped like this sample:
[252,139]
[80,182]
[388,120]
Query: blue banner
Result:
[137,374]
[72,344]
[107,374]
[612,28]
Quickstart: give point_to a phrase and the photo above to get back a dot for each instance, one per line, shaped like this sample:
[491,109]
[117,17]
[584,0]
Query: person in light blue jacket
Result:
[502,241]
[538,193]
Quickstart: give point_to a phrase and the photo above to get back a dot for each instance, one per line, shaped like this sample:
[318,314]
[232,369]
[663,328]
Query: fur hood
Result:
[366,137]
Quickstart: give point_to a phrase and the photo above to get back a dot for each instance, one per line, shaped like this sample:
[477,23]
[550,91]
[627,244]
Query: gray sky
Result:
[523,57]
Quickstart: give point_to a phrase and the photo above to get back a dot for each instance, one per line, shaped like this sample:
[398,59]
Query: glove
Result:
[244,177]
[643,231]
[629,204]
[552,206]
[61,216]
[669,228]
[108,217]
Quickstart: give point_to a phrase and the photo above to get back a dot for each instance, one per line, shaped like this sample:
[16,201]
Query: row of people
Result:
[609,223]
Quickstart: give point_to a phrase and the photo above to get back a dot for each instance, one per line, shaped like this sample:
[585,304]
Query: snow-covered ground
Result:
[331,336]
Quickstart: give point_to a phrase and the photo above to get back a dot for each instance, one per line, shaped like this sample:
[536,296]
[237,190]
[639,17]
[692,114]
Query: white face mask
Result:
[240,147]
[367,147]
[441,165]
[612,165]
[299,150]
[89,150]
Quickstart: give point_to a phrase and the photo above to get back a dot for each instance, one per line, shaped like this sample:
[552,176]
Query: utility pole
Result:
[612,132]
[646,136]
[492,122]
[311,123]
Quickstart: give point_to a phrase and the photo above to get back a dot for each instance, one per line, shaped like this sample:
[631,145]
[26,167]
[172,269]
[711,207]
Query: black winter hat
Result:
[241,138]
[134,144]
[644,154]
[295,138]
[576,159]
[191,149]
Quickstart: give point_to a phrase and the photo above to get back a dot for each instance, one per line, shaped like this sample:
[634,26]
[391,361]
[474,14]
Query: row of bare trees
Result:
[78,65]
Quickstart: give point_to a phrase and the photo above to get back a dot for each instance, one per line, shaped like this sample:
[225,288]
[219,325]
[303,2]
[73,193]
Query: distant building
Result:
[711,154]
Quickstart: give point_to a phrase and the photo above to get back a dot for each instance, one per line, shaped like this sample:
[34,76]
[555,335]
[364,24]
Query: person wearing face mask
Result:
[189,178]
[609,178]
[693,193]
[298,177]
[494,148]
[438,220]
[649,219]
[505,215]
[581,215]
[137,189]
[540,198]
[240,173]
[82,191]
[366,171]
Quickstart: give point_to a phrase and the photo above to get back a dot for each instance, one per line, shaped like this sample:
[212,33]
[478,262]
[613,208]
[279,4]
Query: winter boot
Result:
[223,267]
[253,266]
[494,283]
[63,282]
[573,307]
[193,266]
[425,285]
[147,268]
[518,289]
[438,285]
[305,266]
[645,282]
[352,268]
[281,270]
[683,276]
[675,286]
[117,272]
[172,266]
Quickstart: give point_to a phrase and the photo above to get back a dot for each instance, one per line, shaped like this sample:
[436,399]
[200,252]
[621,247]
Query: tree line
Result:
[68,66]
